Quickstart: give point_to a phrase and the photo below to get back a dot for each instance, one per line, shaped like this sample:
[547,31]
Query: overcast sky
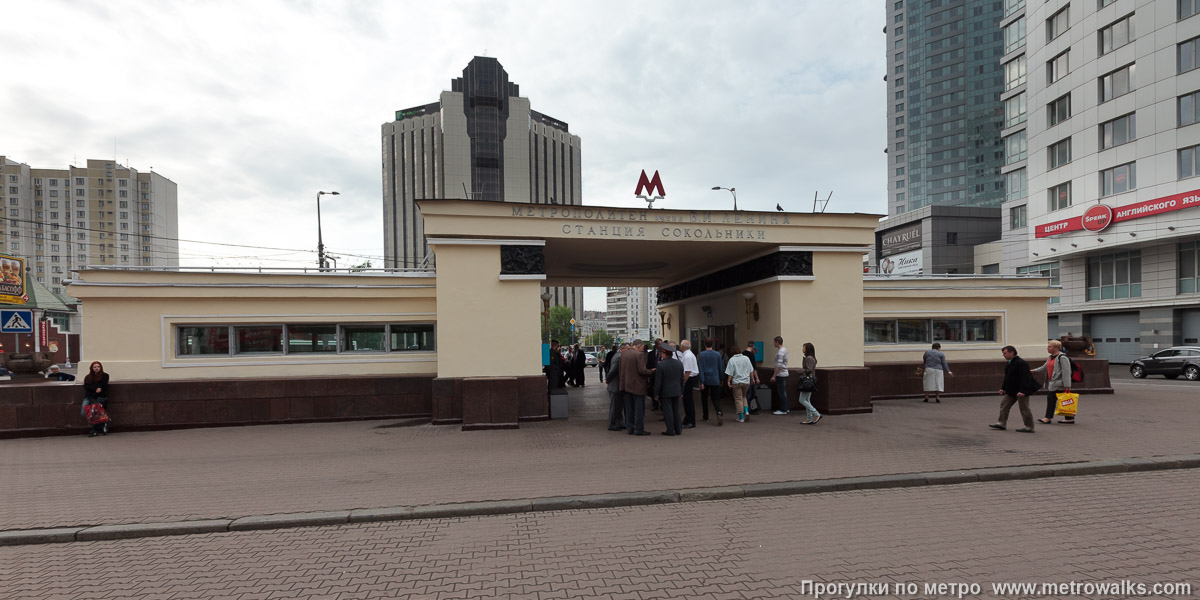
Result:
[252,107]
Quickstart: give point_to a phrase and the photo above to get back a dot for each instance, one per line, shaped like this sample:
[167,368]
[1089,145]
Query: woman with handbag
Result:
[95,390]
[1058,379]
[808,384]
[933,372]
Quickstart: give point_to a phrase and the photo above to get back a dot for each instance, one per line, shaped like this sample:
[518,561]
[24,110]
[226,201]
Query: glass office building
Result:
[945,115]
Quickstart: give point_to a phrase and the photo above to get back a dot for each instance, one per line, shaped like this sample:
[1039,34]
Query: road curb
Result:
[140,530]
[88,533]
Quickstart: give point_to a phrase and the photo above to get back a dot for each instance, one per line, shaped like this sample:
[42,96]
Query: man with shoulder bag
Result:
[1016,389]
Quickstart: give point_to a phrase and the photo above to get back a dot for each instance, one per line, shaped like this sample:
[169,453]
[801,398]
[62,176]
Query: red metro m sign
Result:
[646,186]
[1097,218]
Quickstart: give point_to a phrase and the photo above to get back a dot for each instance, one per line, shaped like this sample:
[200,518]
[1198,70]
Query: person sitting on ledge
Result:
[55,374]
[95,389]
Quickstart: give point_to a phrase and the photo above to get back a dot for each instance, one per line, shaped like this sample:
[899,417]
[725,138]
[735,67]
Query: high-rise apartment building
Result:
[633,313]
[944,111]
[1112,210]
[104,214]
[480,141]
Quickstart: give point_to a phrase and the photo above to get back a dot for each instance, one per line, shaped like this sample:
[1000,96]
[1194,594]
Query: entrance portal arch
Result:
[765,274]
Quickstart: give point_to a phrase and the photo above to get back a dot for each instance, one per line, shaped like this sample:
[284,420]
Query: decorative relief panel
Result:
[522,260]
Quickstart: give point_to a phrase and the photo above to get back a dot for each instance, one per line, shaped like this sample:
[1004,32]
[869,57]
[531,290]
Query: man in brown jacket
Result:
[632,372]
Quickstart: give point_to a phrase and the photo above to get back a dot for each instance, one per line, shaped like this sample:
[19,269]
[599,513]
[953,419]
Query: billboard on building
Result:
[909,263]
[900,240]
[12,285]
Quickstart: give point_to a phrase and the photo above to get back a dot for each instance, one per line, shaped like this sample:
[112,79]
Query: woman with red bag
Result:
[95,391]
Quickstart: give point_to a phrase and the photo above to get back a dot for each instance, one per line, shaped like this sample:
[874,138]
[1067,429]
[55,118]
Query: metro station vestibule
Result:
[757,274]
[462,344]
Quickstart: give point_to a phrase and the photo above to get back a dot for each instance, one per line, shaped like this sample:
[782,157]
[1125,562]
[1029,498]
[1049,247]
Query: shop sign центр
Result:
[1128,212]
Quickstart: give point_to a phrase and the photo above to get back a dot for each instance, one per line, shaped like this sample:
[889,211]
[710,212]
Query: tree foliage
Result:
[600,337]
[560,323]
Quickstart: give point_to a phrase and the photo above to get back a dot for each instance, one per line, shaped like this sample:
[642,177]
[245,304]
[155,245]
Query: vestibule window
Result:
[923,331]
[303,339]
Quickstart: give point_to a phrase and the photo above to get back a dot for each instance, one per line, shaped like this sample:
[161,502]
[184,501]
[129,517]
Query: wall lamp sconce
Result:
[1099,239]
[1054,249]
[1074,245]
[1132,234]
[751,307]
[1155,332]
[1035,253]
[1170,228]
[707,311]
[665,319]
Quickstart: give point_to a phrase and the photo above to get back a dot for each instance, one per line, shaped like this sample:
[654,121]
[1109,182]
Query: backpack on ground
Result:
[1076,371]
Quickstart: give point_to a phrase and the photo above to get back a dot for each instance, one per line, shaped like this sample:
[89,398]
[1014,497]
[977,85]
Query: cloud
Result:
[252,107]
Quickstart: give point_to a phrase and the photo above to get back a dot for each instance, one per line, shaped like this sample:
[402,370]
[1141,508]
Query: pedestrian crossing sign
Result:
[16,321]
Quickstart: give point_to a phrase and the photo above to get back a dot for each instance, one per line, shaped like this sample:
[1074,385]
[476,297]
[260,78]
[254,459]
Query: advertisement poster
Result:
[909,263]
[12,288]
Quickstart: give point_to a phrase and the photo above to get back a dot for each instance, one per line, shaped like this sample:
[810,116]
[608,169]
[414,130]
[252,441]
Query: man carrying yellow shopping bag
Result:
[1058,379]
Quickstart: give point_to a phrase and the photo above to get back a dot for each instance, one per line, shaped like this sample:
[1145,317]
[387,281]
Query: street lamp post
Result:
[320,242]
[731,191]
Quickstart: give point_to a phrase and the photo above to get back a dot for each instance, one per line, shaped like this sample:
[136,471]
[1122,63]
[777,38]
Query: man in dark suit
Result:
[607,363]
[1018,385]
[668,388]
[554,371]
[652,363]
[616,406]
[633,375]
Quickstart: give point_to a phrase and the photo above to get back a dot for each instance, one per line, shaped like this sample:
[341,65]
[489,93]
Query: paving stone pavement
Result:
[1141,527]
[144,477]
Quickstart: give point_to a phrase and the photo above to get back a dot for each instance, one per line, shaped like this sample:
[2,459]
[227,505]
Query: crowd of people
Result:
[662,378]
[668,374]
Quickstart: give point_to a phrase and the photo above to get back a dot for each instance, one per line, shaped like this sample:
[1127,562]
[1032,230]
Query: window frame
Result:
[1054,29]
[1018,40]
[1018,217]
[1192,251]
[1130,35]
[926,331]
[233,350]
[1193,5]
[1053,108]
[1130,82]
[1193,159]
[1193,48]
[1016,157]
[1191,99]
[1130,130]
[1109,189]
[1108,267]
[1015,72]
[1021,110]
[1053,203]
[1054,71]
[1058,154]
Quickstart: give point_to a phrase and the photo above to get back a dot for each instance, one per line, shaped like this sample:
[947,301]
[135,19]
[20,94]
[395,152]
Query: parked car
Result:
[592,360]
[1170,363]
